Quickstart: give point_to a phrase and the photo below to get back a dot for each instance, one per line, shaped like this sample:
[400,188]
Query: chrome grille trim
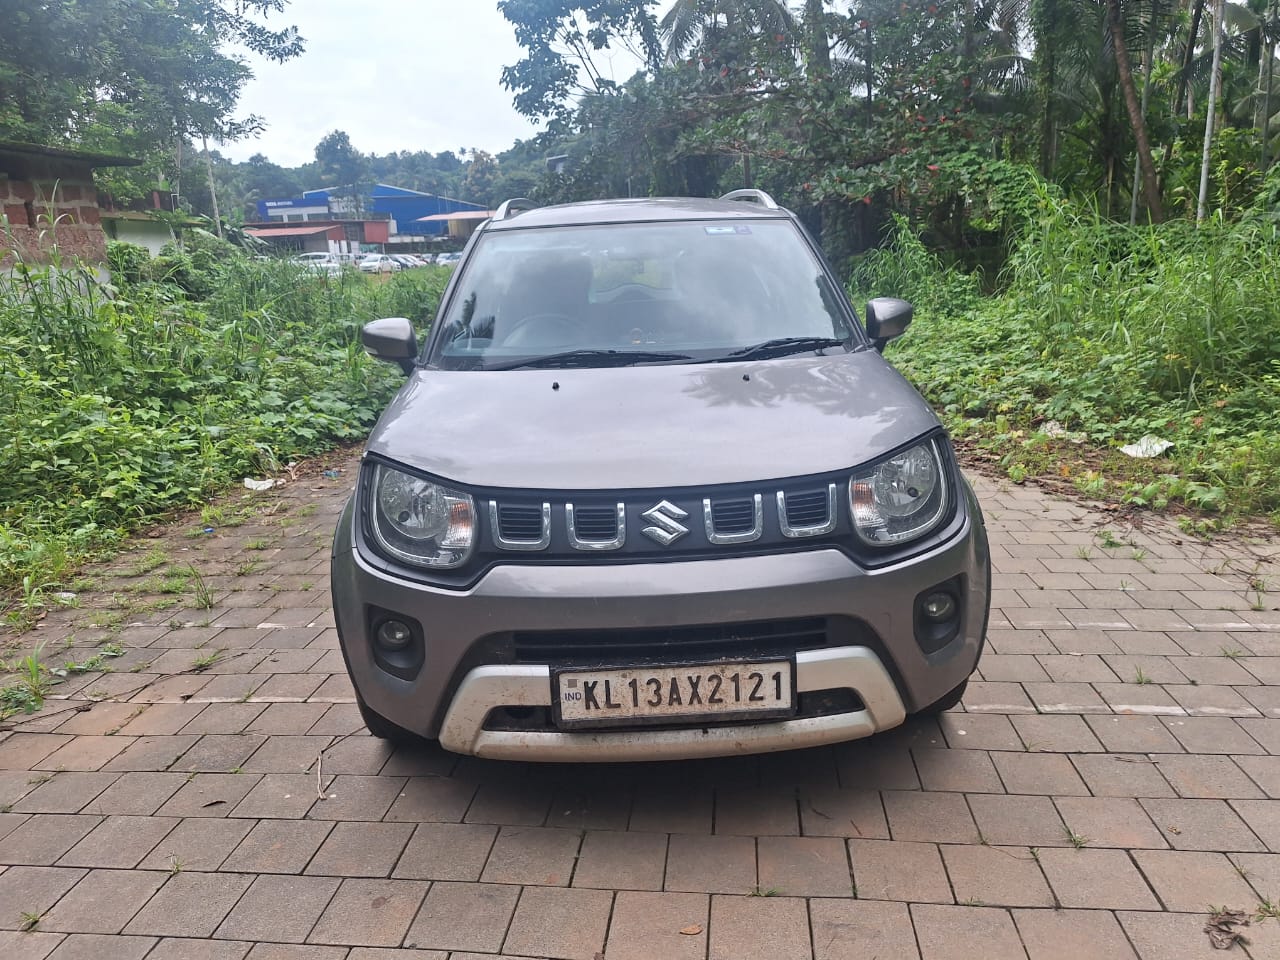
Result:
[542,543]
[744,536]
[797,533]
[578,543]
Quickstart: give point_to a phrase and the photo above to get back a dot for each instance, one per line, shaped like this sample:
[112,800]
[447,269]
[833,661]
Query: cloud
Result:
[394,74]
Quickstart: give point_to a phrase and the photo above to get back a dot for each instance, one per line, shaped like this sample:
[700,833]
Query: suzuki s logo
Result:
[665,517]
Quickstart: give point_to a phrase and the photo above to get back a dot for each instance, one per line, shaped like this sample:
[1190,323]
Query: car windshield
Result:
[697,290]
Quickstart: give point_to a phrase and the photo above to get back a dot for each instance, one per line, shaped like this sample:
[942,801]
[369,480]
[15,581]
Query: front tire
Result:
[948,701]
[384,729]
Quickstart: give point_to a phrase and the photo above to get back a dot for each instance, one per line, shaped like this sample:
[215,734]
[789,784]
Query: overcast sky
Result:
[395,75]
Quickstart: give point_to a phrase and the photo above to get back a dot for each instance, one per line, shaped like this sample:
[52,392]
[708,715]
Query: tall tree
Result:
[1139,123]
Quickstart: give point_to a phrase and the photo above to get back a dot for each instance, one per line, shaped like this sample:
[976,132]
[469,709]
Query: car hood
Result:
[651,426]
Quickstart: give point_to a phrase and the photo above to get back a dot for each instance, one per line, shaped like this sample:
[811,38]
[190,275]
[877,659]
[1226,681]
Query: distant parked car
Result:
[319,263]
[406,260]
[449,259]
[378,263]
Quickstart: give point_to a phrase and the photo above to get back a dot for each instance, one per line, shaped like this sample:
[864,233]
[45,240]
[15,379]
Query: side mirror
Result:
[391,340]
[887,319]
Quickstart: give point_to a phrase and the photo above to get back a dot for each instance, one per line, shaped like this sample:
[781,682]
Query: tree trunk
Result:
[1197,13]
[1266,106]
[1146,98]
[815,29]
[213,190]
[1047,158]
[1211,112]
[1136,118]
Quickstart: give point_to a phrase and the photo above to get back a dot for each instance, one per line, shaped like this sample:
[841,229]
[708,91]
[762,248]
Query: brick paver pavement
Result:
[1113,773]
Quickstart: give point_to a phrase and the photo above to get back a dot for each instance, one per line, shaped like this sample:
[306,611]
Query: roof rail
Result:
[753,196]
[513,206]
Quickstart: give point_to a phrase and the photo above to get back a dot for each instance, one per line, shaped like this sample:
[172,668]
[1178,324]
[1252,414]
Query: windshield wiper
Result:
[592,358]
[780,348]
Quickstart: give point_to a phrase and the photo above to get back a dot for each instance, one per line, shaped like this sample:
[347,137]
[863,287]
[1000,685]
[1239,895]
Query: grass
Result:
[199,368]
[202,663]
[1107,333]
[1075,839]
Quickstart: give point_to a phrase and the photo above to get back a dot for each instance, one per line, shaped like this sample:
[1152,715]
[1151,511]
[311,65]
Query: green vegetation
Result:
[191,370]
[1100,334]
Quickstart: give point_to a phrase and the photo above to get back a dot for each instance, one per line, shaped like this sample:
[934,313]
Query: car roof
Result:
[645,210]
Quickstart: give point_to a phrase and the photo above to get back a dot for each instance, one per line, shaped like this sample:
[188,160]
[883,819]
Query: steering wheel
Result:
[540,329]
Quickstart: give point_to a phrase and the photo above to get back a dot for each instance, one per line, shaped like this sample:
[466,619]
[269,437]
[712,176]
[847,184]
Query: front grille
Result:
[766,638]
[733,516]
[520,522]
[596,523]
[807,509]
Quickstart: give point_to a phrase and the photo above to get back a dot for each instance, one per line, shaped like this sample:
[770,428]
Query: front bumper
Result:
[452,696]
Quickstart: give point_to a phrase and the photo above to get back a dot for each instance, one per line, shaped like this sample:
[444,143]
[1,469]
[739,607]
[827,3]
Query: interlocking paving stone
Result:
[1099,879]
[278,846]
[965,932]
[698,864]
[1202,825]
[1169,936]
[1186,880]
[996,876]
[31,891]
[283,908]
[190,904]
[896,870]
[93,946]
[374,913]
[197,844]
[1072,935]
[614,860]
[1110,821]
[446,851]
[560,923]
[533,855]
[44,837]
[361,849]
[103,901]
[464,916]
[861,930]
[28,945]
[804,866]
[759,928]
[934,817]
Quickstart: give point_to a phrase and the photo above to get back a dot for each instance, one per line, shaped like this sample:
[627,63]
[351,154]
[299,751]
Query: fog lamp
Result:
[394,634]
[939,607]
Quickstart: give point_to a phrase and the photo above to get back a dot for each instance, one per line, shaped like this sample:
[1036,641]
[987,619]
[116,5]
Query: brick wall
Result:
[42,213]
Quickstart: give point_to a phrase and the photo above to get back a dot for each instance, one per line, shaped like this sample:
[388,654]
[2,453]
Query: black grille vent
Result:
[596,523]
[807,509]
[520,523]
[733,516]
[674,644]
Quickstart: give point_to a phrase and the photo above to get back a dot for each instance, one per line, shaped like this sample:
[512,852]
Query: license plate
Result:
[711,692]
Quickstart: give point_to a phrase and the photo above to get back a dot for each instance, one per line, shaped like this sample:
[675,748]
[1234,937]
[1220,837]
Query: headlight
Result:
[900,499]
[420,522]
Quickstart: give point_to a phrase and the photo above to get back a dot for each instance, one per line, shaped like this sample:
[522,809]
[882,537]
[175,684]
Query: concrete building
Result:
[401,208]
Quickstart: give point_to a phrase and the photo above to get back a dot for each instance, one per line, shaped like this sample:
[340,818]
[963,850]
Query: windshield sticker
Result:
[727,231]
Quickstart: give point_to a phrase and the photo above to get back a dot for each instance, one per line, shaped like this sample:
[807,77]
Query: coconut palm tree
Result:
[689,21]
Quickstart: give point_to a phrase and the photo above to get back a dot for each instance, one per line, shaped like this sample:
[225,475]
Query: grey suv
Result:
[651,491]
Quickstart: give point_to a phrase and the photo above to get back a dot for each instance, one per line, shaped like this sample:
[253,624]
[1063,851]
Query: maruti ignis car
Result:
[651,491]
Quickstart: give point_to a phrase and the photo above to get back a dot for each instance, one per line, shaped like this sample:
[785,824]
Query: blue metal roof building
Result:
[404,207]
